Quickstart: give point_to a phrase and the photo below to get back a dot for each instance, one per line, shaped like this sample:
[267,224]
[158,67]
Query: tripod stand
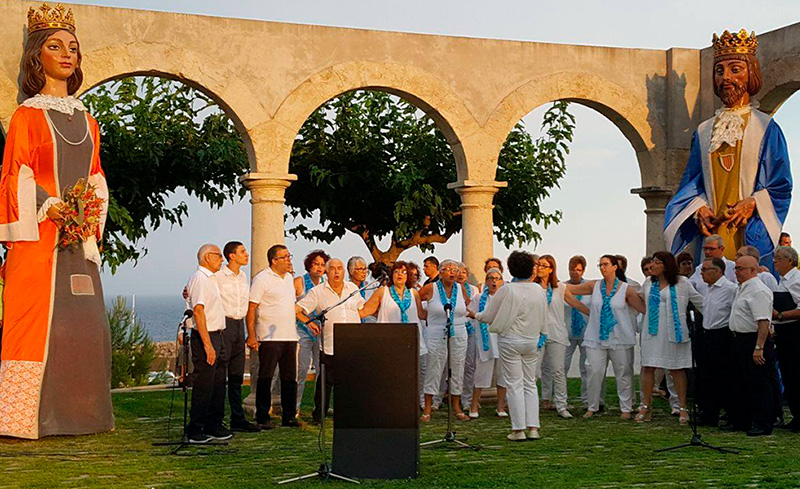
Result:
[696,440]
[184,440]
[450,435]
[325,471]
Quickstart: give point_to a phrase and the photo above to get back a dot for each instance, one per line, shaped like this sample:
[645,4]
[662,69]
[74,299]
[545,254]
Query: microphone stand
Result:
[696,440]
[450,435]
[184,440]
[325,471]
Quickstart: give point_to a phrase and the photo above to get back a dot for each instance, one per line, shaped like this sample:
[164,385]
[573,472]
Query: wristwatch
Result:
[779,316]
[759,347]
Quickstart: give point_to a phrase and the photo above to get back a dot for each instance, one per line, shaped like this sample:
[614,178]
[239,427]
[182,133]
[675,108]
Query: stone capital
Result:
[655,198]
[267,187]
[477,194]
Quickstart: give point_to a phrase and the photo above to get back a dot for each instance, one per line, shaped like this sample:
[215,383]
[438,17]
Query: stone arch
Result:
[627,112]
[179,64]
[781,81]
[412,84]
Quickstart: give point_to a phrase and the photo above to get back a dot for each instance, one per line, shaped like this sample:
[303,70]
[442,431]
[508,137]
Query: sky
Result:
[602,164]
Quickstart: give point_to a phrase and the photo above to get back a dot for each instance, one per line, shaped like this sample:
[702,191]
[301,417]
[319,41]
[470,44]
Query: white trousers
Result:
[596,365]
[519,360]
[554,377]
[576,345]
[469,371]
[422,362]
[485,370]
[307,353]
[437,359]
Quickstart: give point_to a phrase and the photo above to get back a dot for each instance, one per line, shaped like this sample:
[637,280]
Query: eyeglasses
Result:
[710,248]
[656,261]
[544,266]
[284,257]
[360,269]
[604,264]
[493,279]
[740,269]
[708,269]
[215,253]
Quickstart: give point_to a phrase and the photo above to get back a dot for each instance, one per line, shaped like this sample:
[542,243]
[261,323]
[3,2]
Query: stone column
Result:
[477,243]
[267,198]
[656,199]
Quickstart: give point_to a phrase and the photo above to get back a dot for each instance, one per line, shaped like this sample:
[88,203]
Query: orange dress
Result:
[55,360]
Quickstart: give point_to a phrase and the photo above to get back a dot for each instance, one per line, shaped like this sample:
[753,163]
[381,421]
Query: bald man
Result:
[752,406]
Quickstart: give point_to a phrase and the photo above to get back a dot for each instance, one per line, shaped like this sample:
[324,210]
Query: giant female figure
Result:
[55,370]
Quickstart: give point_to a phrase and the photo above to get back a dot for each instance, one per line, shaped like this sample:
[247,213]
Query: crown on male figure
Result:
[47,17]
[736,43]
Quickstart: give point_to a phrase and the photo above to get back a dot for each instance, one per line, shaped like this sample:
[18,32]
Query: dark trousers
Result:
[273,354]
[208,385]
[752,406]
[326,360]
[235,347]
[714,365]
[787,346]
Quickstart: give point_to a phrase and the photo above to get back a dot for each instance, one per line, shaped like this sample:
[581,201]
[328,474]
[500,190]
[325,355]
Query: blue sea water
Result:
[159,314]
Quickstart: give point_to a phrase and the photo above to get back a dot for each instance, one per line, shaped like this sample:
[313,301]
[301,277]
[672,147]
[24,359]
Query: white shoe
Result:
[533,434]
[473,415]
[565,414]
[501,414]
[517,436]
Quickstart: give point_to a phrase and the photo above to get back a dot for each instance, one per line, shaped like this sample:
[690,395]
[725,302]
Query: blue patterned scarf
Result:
[484,327]
[653,306]
[578,322]
[452,300]
[404,304]
[607,319]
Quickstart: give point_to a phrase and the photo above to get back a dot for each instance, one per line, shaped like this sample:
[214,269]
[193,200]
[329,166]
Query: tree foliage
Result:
[158,136]
[132,350]
[372,164]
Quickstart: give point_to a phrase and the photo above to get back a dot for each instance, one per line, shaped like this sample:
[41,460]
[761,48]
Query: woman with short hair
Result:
[518,314]
[610,333]
[447,301]
[486,350]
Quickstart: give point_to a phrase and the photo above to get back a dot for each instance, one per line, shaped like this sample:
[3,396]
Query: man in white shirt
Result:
[321,297]
[271,331]
[208,350]
[753,409]
[786,318]
[769,280]
[712,344]
[713,247]
[234,290]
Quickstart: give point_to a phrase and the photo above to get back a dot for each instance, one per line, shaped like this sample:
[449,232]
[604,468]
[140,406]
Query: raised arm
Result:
[373,304]
[585,288]
[575,303]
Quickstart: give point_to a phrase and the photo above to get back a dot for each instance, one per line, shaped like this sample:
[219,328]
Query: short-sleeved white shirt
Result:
[323,296]
[203,291]
[753,303]
[234,290]
[274,295]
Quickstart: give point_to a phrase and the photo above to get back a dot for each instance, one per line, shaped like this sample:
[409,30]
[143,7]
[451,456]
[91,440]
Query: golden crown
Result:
[47,17]
[736,43]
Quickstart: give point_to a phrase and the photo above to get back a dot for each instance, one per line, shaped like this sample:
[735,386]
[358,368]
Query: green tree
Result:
[132,350]
[375,165]
[158,136]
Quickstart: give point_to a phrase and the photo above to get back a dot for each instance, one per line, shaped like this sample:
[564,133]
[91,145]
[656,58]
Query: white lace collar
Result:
[65,105]
[729,126]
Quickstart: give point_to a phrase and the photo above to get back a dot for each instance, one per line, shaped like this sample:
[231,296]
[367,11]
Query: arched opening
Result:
[174,179]
[787,115]
[373,167]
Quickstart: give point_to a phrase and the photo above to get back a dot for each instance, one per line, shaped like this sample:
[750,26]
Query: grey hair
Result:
[715,238]
[329,262]
[449,263]
[751,251]
[494,270]
[787,252]
[353,261]
[205,250]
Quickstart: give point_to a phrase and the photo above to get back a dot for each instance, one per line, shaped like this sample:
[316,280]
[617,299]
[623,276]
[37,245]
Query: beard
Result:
[731,93]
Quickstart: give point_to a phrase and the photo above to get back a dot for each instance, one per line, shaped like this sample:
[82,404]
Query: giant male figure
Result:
[737,183]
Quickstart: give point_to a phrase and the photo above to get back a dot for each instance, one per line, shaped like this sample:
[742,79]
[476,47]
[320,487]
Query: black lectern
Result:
[376,400]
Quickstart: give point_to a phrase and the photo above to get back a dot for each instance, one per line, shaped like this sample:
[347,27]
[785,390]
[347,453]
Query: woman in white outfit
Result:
[469,362]
[486,350]
[445,292]
[518,314]
[397,303]
[554,377]
[665,336]
[610,334]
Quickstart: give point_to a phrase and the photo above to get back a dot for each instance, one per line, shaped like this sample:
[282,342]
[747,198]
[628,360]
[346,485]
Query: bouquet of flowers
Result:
[81,214]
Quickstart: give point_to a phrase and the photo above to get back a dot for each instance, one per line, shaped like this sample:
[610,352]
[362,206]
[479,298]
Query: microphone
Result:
[187,314]
[448,308]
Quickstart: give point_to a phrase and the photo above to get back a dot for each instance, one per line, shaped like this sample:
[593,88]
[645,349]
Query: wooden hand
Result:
[736,216]
[704,218]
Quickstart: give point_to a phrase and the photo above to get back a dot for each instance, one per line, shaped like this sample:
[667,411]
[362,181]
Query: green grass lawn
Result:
[604,452]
